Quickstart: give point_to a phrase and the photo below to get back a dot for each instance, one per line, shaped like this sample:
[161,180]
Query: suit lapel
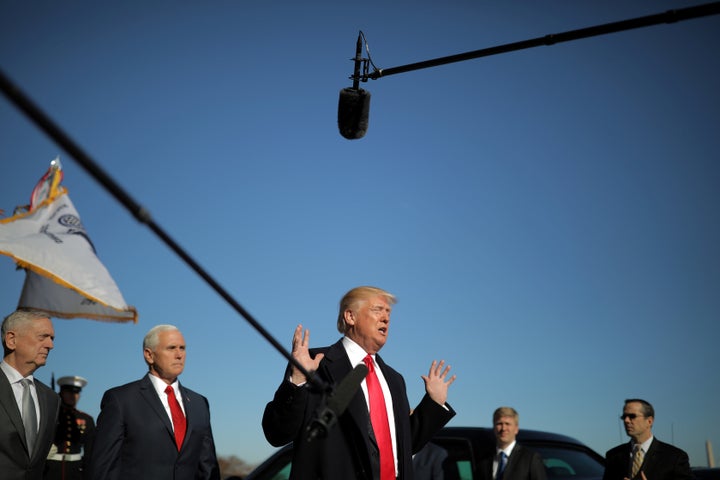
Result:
[338,366]
[651,456]
[512,461]
[189,413]
[8,403]
[47,414]
[395,385]
[149,394]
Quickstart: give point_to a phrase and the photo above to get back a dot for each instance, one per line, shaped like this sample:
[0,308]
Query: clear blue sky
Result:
[549,218]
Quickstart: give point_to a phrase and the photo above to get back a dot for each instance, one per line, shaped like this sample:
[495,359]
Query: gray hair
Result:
[152,339]
[20,319]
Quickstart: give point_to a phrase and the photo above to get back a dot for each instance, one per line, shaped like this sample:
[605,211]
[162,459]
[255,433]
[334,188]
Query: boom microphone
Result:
[354,103]
[337,403]
[353,112]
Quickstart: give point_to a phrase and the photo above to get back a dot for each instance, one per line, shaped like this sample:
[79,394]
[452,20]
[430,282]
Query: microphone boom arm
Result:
[670,16]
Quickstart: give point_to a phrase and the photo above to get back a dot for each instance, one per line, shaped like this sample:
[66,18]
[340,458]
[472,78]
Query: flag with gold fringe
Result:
[64,276]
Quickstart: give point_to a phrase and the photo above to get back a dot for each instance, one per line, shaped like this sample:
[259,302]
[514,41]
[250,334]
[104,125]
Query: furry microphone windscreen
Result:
[353,112]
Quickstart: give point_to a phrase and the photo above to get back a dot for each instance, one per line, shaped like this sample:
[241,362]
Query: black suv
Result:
[565,458]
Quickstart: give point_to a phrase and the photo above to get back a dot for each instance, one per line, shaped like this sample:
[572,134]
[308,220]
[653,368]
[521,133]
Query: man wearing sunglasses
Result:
[644,457]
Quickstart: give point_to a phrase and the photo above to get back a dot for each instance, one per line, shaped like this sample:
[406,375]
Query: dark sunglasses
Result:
[631,416]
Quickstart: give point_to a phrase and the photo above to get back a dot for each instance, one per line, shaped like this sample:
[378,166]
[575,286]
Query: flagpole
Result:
[43,121]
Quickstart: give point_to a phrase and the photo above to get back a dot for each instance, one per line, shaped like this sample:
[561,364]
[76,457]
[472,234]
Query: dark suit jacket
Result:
[347,452]
[523,464]
[15,464]
[662,462]
[134,437]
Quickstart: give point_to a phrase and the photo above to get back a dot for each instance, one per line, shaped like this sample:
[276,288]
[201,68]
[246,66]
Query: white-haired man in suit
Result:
[28,408]
[155,428]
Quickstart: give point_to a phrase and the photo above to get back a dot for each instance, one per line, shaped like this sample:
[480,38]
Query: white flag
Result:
[64,276]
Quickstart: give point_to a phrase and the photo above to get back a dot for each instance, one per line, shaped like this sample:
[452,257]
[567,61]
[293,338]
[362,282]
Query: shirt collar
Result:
[644,445]
[13,375]
[508,450]
[355,352]
[160,385]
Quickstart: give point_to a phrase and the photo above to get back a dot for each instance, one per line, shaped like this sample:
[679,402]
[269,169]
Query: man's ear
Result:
[148,354]
[10,338]
[349,317]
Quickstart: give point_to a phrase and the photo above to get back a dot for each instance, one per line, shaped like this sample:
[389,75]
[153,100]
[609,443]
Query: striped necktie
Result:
[638,458]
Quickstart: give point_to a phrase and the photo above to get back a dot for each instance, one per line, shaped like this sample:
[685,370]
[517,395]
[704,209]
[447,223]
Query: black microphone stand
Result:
[42,121]
[670,16]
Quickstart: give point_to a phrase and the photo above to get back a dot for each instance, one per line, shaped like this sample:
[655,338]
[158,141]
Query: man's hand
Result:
[301,353]
[642,476]
[435,384]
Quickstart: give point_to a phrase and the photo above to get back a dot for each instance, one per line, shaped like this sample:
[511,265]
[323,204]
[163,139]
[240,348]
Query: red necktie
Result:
[380,424]
[178,418]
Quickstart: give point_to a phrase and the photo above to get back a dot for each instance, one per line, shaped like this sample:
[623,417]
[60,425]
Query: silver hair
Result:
[152,339]
[20,319]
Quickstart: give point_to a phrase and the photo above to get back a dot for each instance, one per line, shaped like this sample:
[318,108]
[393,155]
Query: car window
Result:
[277,467]
[569,464]
[561,463]
[283,474]
[459,464]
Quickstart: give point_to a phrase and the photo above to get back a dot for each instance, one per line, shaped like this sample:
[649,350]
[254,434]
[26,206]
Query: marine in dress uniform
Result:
[73,436]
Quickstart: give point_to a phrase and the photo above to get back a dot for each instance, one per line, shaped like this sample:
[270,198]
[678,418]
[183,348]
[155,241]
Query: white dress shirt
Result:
[644,446]
[356,355]
[160,387]
[14,378]
[508,450]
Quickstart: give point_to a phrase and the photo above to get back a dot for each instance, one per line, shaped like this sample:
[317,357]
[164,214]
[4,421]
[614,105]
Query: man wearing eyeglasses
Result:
[644,457]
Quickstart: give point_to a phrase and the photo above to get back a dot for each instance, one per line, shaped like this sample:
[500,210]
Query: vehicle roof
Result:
[485,433]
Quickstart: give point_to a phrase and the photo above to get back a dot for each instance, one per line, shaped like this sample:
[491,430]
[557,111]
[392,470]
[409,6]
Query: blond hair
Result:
[352,298]
[506,412]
